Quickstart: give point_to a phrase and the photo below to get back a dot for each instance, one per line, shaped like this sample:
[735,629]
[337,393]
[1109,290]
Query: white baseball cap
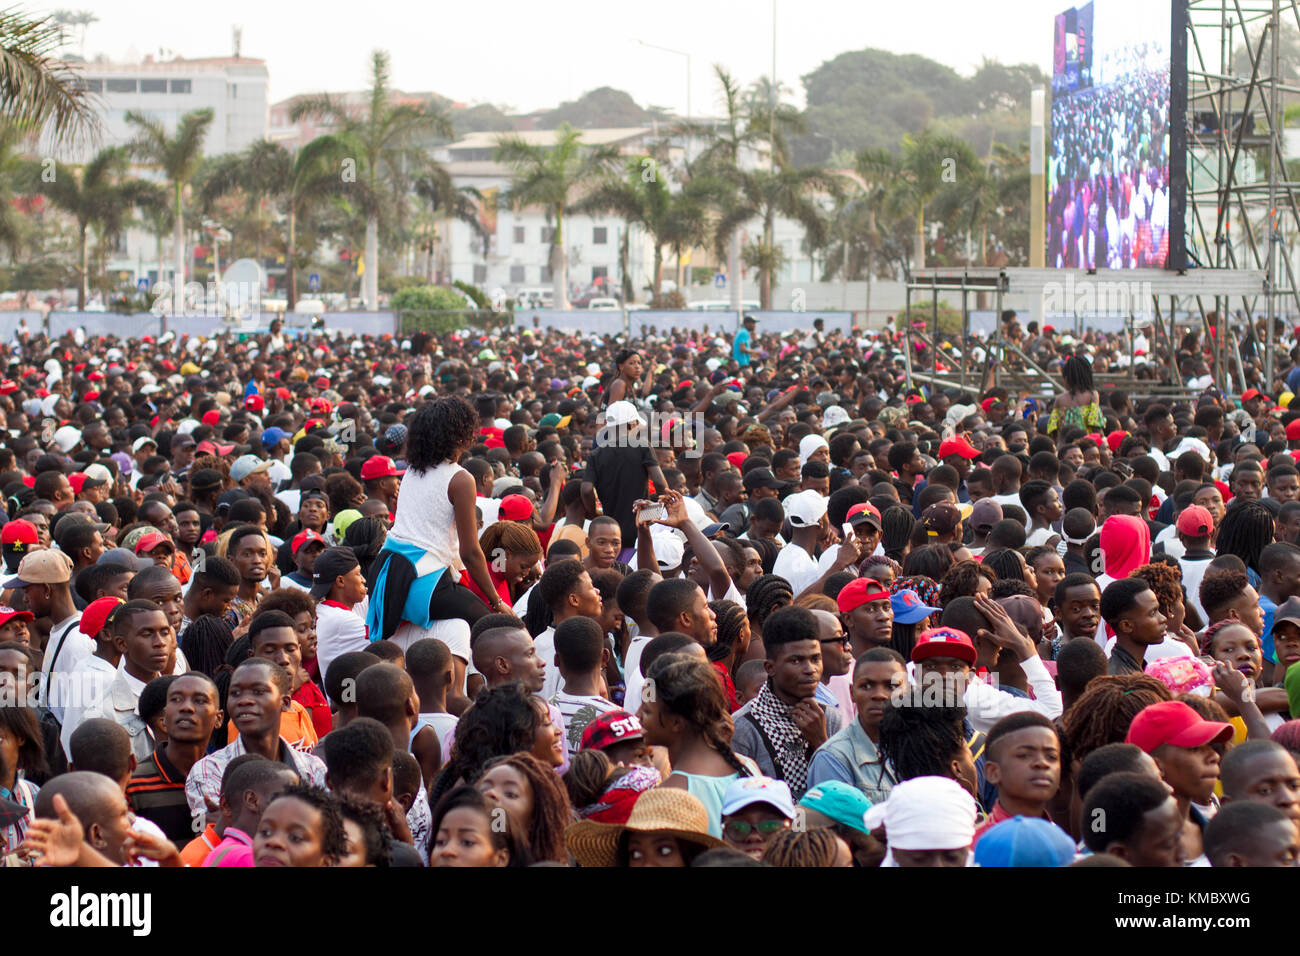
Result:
[622,413]
[67,438]
[834,415]
[805,508]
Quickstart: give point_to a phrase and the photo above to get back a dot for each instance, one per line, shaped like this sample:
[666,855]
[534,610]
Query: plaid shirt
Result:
[204,779]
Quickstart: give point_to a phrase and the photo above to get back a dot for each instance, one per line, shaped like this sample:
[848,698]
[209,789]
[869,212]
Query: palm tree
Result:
[12,169]
[177,158]
[674,220]
[549,176]
[929,161]
[35,88]
[270,175]
[765,195]
[445,201]
[725,144]
[387,140]
[98,196]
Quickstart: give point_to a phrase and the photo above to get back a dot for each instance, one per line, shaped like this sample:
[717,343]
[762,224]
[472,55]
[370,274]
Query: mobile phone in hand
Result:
[654,512]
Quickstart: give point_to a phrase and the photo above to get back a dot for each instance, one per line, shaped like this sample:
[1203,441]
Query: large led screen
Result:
[1116,175]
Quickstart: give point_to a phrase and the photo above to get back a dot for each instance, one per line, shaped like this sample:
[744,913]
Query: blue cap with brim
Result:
[909,608]
[1024,841]
[840,802]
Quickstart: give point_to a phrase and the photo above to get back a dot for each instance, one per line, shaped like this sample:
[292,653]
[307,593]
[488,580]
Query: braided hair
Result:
[1103,712]
[769,593]
[551,813]
[922,741]
[815,847]
[690,688]
[896,527]
[206,642]
[1246,530]
[733,623]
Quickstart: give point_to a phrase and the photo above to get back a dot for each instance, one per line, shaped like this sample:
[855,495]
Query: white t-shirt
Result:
[632,676]
[578,711]
[87,684]
[67,647]
[545,644]
[1012,499]
[338,631]
[797,566]
[443,725]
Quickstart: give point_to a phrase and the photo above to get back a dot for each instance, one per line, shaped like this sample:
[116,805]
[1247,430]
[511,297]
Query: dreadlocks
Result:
[1103,712]
[545,836]
[922,741]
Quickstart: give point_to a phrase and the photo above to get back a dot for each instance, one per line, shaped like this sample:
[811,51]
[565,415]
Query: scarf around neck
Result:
[789,746]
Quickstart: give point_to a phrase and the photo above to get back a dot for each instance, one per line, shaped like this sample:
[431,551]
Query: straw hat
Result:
[660,810]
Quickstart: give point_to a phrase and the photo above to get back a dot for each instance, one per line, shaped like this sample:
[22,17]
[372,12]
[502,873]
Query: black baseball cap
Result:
[331,564]
[763,478]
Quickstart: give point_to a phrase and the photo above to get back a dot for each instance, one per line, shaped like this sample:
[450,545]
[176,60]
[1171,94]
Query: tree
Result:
[725,142]
[98,196]
[388,139]
[290,183]
[642,196]
[928,162]
[176,157]
[445,200]
[35,88]
[550,176]
[765,195]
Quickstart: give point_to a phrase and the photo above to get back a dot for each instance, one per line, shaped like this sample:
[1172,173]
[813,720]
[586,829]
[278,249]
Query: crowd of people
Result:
[532,598]
[1108,186]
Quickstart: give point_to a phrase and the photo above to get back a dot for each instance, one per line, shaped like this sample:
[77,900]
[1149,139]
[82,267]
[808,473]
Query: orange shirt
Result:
[196,850]
[295,727]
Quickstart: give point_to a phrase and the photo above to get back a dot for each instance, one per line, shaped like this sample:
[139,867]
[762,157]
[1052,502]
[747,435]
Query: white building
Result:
[234,88]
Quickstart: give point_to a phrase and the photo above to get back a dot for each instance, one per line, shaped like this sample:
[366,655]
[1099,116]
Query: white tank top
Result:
[426,517]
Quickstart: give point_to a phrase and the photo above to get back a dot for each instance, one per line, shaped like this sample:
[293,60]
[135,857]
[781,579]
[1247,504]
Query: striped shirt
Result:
[578,711]
[204,780]
[156,791]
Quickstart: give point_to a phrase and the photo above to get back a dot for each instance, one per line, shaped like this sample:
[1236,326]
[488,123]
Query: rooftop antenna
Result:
[238,33]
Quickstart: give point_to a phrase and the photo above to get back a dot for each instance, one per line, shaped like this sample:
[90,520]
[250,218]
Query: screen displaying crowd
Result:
[1108,166]
[521,599]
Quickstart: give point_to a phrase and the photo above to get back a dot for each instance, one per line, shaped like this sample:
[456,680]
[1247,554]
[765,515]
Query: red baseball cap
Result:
[989,402]
[1115,439]
[864,512]
[322,382]
[255,403]
[1196,522]
[379,466]
[8,614]
[515,508]
[97,614]
[737,458]
[19,532]
[958,446]
[78,481]
[211,416]
[148,542]
[944,642]
[1293,430]
[611,727]
[858,592]
[1250,393]
[306,536]
[211,448]
[1173,722]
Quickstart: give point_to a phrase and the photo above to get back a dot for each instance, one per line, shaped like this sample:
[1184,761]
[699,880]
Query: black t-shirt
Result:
[621,477]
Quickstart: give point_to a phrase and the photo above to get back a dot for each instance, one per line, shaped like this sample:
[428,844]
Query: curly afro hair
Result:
[438,432]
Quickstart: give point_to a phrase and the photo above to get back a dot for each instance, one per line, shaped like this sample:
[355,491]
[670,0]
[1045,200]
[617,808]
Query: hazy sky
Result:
[531,55]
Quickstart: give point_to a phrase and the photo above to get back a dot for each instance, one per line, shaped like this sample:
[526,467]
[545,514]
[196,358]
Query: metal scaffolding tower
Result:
[1242,206]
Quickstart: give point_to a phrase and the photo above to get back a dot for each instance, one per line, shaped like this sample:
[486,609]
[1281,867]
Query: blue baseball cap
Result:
[909,608]
[1024,841]
[840,801]
[273,436]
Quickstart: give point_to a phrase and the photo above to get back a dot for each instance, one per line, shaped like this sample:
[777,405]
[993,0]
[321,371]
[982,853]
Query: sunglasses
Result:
[740,829]
[842,641]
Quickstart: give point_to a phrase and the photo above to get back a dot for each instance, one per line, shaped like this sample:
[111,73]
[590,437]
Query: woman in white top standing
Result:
[436,528]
